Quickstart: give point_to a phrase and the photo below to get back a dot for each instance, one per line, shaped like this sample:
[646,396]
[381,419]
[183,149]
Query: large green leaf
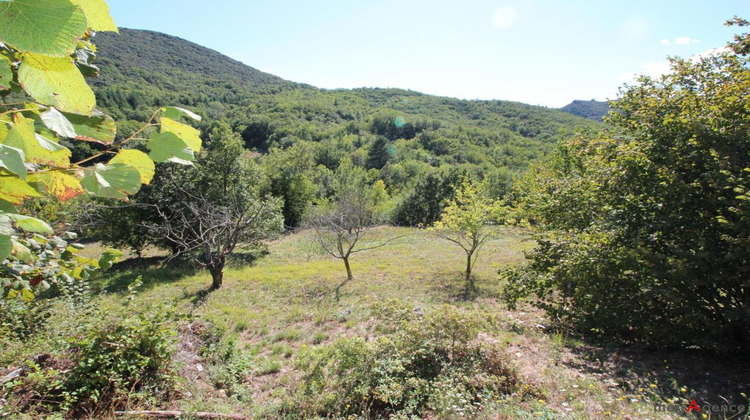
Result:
[49,27]
[7,207]
[56,121]
[97,128]
[14,190]
[12,159]
[30,224]
[109,258]
[57,183]
[111,181]
[57,82]
[37,149]
[97,14]
[6,246]
[137,160]
[167,147]
[6,73]
[175,112]
[188,134]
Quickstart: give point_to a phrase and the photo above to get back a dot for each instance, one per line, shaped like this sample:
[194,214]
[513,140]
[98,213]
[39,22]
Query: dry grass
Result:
[280,303]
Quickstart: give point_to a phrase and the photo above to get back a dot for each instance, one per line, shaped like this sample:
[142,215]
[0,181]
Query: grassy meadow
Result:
[278,303]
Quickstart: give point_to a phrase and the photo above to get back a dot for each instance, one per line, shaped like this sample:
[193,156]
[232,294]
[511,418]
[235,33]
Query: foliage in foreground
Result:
[649,224]
[426,364]
[109,366]
[48,109]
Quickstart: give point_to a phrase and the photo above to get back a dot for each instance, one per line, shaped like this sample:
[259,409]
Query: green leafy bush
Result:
[646,228]
[429,364]
[111,366]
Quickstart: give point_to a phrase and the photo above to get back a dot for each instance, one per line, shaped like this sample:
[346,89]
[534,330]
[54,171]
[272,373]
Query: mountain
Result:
[595,110]
[141,70]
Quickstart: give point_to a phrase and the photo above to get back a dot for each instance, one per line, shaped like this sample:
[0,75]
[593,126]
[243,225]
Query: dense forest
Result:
[142,69]
[403,138]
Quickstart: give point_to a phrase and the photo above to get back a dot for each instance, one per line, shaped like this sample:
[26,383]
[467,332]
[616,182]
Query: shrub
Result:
[647,226]
[431,364]
[111,366]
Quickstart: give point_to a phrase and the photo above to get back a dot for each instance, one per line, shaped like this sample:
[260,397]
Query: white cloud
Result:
[709,53]
[656,68]
[685,40]
[504,17]
[682,40]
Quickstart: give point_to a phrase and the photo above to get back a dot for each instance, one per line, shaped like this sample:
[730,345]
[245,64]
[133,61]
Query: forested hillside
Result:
[595,110]
[142,69]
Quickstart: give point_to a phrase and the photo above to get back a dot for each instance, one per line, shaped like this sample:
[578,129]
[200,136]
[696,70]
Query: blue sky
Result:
[541,52]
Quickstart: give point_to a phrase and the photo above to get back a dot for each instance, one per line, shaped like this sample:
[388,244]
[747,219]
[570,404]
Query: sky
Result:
[540,52]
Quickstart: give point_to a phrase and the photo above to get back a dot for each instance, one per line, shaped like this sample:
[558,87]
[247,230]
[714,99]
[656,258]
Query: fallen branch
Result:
[178,414]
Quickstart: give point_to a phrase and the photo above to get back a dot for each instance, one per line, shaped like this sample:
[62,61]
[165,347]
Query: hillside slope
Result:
[141,70]
[595,110]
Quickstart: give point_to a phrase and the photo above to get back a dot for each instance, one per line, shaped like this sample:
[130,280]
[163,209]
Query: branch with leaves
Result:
[46,51]
[465,221]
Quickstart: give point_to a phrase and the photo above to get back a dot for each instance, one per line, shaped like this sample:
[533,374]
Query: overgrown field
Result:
[404,339]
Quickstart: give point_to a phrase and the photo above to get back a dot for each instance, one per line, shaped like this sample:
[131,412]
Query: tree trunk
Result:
[469,281]
[217,277]
[216,268]
[349,275]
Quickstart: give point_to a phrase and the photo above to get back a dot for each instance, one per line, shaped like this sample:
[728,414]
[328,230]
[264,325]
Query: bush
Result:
[647,227]
[112,366]
[430,364]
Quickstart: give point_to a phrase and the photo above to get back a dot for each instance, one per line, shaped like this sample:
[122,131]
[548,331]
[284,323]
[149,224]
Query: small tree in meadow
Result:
[465,222]
[341,225]
[215,206]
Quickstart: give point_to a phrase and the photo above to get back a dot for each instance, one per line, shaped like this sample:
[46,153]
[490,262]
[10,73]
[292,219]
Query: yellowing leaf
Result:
[188,134]
[57,82]
[36,148]
[97,14]
[30,224]
[58,184]
[49,27]
[21,252]
[137,160]
[14,190]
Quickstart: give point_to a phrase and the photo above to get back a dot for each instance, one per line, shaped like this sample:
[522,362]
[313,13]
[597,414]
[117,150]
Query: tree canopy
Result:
[650,221]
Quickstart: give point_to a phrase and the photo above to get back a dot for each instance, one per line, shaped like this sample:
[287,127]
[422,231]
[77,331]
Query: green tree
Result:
[217,205]
[648,225]
[464,222]
[341,227]
[423,205]
[290,172]
[379,154]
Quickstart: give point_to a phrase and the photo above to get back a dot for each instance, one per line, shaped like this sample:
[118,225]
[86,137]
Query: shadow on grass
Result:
[246,258]
[660,376]
[448,288]
[153,271]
